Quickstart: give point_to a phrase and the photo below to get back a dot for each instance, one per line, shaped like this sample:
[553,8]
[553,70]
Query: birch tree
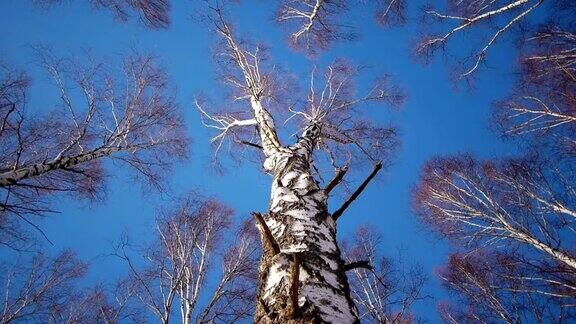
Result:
[125,115]
[486,203]
[152,13]
[383,288]
[176,266]
[41,289]
[44,289]
[101,304]
[492,20]
[513,219]
[514,223]
[314,25]
[542,105]
[502,286]
[302,274]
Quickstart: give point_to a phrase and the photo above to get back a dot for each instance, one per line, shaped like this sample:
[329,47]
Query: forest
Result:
[289,161]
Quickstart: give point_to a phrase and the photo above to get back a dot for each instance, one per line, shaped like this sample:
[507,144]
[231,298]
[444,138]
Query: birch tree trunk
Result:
[302,275]
[305,232]
[12,177]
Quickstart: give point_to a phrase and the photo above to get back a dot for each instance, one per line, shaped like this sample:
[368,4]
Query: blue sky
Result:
[437,120]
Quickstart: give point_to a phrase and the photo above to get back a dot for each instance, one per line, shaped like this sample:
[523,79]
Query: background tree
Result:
[485,203]
[384,289]
[541,108]
[514,222]
[42,289]
[38,288]
[126,115]
[490,20]
[315,25]
[100,304]
[513,219]
[502,286]
[302,274]
[175,267]
[152,13]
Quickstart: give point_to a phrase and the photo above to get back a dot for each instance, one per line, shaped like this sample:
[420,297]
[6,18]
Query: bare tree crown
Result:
[333,106]
[127,114]
[152,13]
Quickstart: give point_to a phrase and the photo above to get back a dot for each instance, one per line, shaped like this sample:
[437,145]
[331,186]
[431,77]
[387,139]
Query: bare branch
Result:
[265,230]
[365,264]
[152,13]
[466,16]
[358,192]
[336,180]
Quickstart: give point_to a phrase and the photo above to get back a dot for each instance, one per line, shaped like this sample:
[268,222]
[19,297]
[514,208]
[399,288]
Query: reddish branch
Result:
[152,13]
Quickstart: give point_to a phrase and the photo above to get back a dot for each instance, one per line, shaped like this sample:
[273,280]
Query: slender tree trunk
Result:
[305,232]
[188,315]
[12,177]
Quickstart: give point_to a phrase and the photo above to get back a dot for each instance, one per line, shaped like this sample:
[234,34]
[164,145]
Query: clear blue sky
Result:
[436,120]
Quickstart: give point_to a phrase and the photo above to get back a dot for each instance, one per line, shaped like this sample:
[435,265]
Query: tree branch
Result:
[295,275]
[258,146]
[365,264]
[336,180]
[267,234]
[358,191]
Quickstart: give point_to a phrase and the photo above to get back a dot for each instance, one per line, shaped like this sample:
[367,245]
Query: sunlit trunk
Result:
[301,225]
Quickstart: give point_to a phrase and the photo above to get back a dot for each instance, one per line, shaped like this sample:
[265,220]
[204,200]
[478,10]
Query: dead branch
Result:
[294,285]
[358,191]
[336,180]
[365,264]
[265,230]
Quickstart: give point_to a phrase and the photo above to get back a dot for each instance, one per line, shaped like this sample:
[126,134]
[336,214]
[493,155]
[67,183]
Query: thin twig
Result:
[258,146]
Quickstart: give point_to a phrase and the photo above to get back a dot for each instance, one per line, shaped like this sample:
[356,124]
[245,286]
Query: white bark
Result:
[13,177]
[300,223]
